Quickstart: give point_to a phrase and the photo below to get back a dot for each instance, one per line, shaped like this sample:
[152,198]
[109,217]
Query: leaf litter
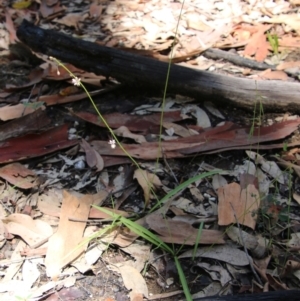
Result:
[67,163]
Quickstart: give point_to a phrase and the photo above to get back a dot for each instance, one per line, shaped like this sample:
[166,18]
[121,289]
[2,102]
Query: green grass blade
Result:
[139,230]
[183,281]
[198,239]
[183,186]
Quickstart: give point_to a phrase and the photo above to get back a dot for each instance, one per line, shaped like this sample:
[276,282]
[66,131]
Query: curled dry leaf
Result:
[147,181]
[134,282]
[93,158]
[177,129]
[269,167]
[199,114]
[123,131]
[218,181]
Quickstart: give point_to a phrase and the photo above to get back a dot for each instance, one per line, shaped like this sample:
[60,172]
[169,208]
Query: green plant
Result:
[154,240]
[273,40]
[27,298]
[198,239]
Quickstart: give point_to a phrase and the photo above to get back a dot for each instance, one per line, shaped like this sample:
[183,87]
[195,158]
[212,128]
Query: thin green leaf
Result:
[183,281]
[198,239]
[185,184]
[139,230]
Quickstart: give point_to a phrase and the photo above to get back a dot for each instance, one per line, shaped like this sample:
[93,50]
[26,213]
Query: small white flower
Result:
[76,81]
[112,143]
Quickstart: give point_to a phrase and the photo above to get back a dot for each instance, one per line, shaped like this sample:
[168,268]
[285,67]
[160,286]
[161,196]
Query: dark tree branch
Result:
[136,70]
[216,54]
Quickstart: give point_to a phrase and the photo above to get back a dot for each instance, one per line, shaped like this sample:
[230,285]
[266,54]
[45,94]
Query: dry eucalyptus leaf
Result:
[224,253]
[147,181]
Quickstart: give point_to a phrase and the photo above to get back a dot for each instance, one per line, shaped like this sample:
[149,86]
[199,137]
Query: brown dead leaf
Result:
[133,281]
[18,175]
[258,44]
[10,27]
[71,20]
[194,21]
[228,135]
[261,266]
[51,100]
[178,129]
[276,283]
[69,91]
[237,203]
[227,253]
[243,238]
[50,8]
[95,10]
[34,232]
[289,41]
[40,144]
[146,123]
[180,232]
[64,245]
[123,131]
[54,72]
[49,203]
[204,143]
[147,181]
[287,65]
[93,158]
[31,122]
[272,75]
[17,111]
[296,197]
[242,34]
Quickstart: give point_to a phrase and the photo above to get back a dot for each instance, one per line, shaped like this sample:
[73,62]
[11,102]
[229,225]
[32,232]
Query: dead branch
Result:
[139,71]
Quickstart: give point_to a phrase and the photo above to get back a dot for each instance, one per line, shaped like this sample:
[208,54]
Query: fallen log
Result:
[139,71]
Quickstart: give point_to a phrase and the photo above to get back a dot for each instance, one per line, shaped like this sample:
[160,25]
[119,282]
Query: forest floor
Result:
[217,186]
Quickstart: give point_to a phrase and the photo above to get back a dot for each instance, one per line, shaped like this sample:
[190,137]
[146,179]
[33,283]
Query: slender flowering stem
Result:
[77,82]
